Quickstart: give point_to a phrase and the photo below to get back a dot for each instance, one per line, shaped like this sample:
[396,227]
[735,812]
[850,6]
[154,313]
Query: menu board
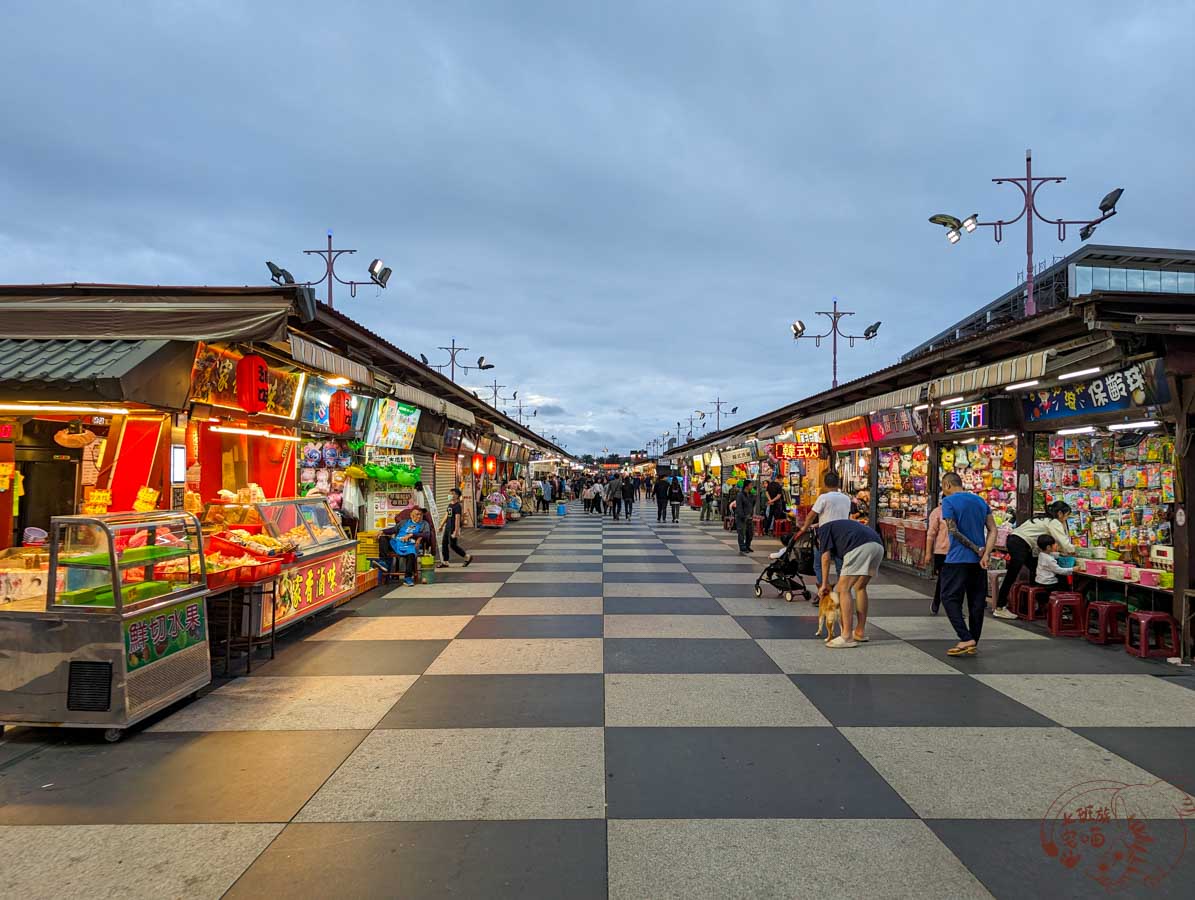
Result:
[393,425]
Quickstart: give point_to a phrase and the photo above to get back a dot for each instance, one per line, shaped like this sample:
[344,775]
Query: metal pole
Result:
[834,343]
[1030,306]
[330,278]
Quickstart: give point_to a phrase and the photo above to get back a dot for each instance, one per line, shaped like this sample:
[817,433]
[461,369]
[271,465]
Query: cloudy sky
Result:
[621,204]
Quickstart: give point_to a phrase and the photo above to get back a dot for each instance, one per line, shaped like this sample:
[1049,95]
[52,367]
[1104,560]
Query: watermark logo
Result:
[1118,835]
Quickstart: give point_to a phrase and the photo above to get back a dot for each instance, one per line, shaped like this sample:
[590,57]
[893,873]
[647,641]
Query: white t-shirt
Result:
[832,506]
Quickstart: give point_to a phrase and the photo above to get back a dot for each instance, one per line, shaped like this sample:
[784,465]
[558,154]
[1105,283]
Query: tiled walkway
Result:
[600,708]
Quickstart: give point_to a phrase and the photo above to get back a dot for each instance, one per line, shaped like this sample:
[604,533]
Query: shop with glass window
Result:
[902,483]
[852,459]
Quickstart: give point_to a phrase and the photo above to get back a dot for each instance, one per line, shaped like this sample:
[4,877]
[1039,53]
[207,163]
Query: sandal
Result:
[861,638]
[962,651]
[468,559]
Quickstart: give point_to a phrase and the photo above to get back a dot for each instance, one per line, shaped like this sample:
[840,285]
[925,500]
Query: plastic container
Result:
[1111,555]
[1115,570]
[1099,552]
[1166,580]
[1067,562]
[218,581]
[216,542]
[260,572]
[1096,567]
[1131,573]
[1149,577]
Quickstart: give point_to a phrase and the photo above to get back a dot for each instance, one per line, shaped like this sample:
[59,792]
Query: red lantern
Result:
[478,463]
[253,383]
[340,412]
[491,465]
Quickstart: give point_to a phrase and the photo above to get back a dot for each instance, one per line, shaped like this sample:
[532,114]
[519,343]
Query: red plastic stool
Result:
[782,528]
[757,524]
[1024,602]
[1014,597]
[1160,625]
[1104,619]
[1066,616]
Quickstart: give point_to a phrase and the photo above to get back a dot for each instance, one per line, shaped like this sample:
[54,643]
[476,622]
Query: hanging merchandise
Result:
[987,468]
[322,470]
[253,383]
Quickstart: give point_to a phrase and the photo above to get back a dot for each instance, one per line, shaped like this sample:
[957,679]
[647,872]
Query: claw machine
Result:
[120,630]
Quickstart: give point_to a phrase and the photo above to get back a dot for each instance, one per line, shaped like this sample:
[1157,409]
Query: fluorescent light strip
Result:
[1130,426]
[952,401]
[1085,430]
[48,408]
[1021,385]
[254,432]
[1095,370]
[921,407]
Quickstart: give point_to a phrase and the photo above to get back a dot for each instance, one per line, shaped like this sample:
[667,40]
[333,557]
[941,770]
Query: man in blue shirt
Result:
[964,574]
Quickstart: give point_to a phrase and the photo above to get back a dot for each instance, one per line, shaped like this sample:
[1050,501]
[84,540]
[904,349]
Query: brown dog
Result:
[827,614]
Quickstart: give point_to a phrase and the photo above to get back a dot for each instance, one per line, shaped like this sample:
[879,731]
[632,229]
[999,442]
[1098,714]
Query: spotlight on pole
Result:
[379,274]
[953,235]
[871,330]
[279,276]
[798,328]
[1086,232]
[1108,204]
[423,358]
[971,222]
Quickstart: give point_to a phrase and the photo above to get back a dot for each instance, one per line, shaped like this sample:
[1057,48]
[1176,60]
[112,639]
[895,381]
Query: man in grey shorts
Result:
[861,550]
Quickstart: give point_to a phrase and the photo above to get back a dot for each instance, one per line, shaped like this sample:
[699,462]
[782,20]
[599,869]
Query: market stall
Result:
[117,629]
[977,441]
[852,460]
[803,460]
[902,483]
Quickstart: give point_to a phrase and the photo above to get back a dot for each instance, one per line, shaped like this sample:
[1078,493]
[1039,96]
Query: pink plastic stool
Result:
[1104,618]
[1158,624]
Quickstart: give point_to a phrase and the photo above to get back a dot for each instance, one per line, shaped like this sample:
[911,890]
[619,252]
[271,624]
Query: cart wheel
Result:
[758,591]
[112,735]
[788,596]
[808,596]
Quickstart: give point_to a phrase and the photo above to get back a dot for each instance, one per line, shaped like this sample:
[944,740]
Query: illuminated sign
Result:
[814,435]
[965,418]
[789,450]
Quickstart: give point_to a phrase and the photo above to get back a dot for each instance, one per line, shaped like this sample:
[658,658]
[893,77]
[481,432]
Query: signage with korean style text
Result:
[736,457]
[791,450]
[158,634]
[971,417]
[1142,384]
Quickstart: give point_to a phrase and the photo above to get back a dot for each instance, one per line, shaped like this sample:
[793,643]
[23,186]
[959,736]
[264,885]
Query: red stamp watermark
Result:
[1118,835]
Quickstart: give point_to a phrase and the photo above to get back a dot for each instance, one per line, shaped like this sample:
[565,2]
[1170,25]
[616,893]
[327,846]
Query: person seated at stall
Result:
[407,541]
[1048,569]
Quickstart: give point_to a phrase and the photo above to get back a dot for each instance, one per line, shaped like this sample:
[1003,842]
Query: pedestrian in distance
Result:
[743,507]
[628,496]
[774,506]
[937,545]
[599,497]
[861,550]
[661,492]
[587,497]
[453,520]
[615,494]
[676,496]
[964,574]
[707,499]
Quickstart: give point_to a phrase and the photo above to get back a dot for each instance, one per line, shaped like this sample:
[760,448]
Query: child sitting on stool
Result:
[412,537]
[1048,569]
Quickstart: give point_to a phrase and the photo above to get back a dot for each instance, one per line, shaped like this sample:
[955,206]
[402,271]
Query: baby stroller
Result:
[784,574]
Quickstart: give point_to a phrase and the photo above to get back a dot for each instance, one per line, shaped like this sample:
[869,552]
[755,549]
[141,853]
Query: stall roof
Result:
[155,372]
[151,312]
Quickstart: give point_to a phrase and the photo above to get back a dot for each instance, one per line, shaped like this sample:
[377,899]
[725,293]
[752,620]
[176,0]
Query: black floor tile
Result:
[1054,657]
[562,567]
[230,776]
[500,701]
[663,606]
[741,591]
[908,700]
[463,575]
[1011,859]
[1166,752]
[685,656]
[648,578]
[432,859]
[607,557]
[496,558]
[564,589]
[352,658]
[729,566]
[533,627]
[423,606]
[742,773]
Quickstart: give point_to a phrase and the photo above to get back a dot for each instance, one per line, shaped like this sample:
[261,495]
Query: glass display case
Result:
[304,525]
[121,631]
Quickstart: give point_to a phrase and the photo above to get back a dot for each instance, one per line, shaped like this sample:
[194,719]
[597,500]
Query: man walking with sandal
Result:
[964,574]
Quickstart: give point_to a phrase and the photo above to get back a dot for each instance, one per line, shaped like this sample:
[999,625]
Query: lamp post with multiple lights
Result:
[452,364]
[835,316]
[718,404]
[1028,186]
[379,273]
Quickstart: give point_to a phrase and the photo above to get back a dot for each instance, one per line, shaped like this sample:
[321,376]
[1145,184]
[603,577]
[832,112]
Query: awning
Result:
[312,354]
[509,436]
[909,396]
[418,397]
[459,414]
[994,375]
[95,312]
[155,373]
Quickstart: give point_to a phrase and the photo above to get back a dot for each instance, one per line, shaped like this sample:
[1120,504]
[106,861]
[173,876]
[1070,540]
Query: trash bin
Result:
[562,508]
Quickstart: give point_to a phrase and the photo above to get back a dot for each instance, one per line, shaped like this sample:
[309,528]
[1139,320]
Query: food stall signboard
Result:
[1143,384]
[312,585]
[849,434]
[965,418]
[393,425]
[789,450]
[895,424]
[213,381]
[736,457]
[158,634]
[814,435]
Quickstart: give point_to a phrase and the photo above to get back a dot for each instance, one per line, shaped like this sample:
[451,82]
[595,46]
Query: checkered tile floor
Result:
[599,708]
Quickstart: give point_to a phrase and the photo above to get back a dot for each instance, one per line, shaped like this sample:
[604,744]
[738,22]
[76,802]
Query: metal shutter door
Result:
[445,479]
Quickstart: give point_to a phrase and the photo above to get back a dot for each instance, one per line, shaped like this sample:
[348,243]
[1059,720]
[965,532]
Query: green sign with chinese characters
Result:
[158,634]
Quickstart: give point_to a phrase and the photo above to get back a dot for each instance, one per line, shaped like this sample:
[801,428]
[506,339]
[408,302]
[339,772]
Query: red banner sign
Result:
[310,586]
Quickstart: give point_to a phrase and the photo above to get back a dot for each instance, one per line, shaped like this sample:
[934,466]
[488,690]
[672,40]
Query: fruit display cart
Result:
[293,553]
[120,631]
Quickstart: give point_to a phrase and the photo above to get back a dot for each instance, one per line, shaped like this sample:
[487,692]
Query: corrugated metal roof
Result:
[68,362]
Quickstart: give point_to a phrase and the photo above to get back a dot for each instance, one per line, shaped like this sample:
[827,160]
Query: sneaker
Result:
[779,553]
[409,582]
[840,642]
[1003,612]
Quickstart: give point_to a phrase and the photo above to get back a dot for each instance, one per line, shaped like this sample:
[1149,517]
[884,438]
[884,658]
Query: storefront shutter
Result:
[445,469]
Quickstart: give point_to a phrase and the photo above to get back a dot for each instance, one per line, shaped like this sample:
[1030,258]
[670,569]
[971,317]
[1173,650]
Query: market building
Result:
[1087,401]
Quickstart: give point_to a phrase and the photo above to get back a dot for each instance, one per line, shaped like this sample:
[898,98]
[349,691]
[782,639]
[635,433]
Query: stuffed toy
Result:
[1010,455]
[312,454]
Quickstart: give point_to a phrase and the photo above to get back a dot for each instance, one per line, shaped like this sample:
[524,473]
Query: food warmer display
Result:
[314,562]
[120,630]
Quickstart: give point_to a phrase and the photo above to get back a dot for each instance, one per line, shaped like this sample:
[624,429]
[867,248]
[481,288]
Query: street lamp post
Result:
[718,404]
[519,410]
[379,273]
[835,316]
[1028,187]
[452,365]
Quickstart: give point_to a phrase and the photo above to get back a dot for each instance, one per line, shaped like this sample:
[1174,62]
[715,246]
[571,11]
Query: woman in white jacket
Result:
[1022,550]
